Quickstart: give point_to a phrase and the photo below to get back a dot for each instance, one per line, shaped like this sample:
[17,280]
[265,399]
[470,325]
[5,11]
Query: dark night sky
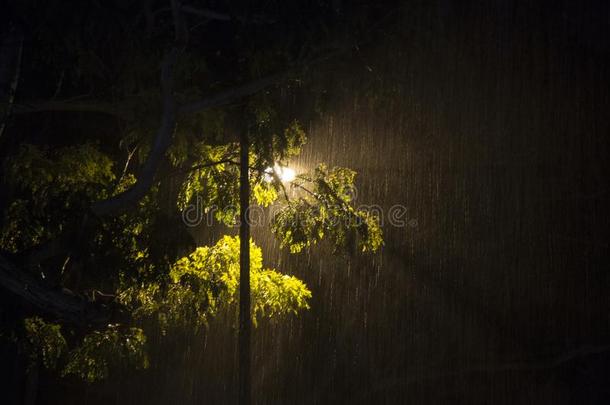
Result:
[488,121]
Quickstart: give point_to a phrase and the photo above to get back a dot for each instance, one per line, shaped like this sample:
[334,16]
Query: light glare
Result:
[285,174]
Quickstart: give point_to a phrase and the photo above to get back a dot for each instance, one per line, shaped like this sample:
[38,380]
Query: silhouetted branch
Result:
[159,147]
[203,166]
[233,94]
[46,299]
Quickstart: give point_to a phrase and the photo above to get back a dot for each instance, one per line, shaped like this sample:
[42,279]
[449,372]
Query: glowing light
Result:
[285,174]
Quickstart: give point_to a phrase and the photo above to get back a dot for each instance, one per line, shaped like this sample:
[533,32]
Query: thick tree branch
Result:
[38,254]
[162,141]
[164,134]
[115,109]
[64,306]
[230,95]
[233,94]
[163,138]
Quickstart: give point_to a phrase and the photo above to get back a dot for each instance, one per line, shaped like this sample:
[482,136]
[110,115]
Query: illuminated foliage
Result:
[74,169]
[91,359]
[273,144]
[101,351]
[207,281]
[325,210]
[264,194]
[46,342]
[211,184]
[54,187]
[103,63]
[212,175]
[50,185]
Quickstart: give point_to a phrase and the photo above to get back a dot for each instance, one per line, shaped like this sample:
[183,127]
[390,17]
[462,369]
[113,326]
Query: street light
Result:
[285,174]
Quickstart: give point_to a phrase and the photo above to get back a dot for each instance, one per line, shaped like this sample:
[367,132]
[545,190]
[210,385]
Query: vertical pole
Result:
[244,275]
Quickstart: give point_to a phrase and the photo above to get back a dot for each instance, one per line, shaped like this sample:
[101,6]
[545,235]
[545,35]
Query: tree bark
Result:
[163,140]
[49,300]
[245,324]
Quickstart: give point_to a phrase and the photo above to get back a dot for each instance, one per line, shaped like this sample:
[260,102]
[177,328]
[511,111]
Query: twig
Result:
[202,166]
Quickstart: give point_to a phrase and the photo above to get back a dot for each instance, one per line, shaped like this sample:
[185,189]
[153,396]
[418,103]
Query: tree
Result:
[92,238]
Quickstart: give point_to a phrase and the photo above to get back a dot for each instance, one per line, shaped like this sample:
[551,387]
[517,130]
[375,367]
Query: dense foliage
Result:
[140,265]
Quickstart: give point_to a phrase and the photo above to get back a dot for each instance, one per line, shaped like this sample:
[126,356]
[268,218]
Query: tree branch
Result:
[203,166]
[164,134]
[162,142]
[250,88]
[64,306]
[232,94]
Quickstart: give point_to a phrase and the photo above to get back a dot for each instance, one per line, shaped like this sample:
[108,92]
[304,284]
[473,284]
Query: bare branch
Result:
[126,166]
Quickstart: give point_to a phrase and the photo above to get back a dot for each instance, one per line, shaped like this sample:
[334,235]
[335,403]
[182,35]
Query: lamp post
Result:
[285,174]
[245,323]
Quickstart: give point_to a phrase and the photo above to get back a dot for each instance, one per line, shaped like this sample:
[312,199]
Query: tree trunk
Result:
[244,276]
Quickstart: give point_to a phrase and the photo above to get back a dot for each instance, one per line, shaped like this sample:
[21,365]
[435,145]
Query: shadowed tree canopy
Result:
[119,115]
